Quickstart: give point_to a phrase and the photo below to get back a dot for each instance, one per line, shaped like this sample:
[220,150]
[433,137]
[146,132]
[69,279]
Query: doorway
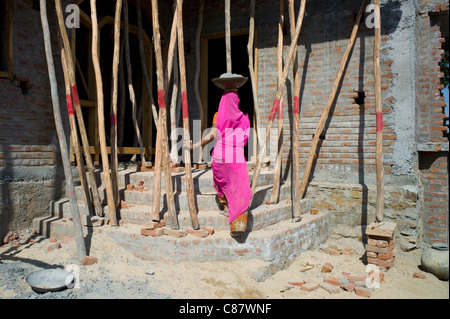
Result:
[217,65]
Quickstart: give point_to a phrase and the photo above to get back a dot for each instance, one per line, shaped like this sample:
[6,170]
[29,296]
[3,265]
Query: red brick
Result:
[333,281]
[88,260]
[356,278]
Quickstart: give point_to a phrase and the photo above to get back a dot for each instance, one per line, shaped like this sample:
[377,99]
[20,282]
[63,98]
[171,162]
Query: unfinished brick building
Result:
[342,181]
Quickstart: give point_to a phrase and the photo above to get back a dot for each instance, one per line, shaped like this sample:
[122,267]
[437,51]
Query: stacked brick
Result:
[380,245]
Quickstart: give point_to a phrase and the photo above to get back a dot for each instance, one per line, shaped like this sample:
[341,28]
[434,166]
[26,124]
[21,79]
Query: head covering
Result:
[233,129]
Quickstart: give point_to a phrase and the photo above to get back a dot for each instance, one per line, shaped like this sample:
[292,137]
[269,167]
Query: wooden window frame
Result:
[7,22]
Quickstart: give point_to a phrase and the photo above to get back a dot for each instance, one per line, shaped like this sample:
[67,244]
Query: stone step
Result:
[205,200]
[202,179]
[278,244]
[260,217]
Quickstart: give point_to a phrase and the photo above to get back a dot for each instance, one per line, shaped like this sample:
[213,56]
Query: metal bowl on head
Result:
[49,280]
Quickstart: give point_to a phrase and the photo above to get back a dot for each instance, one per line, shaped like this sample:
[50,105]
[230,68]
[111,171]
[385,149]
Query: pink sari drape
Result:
[228,163]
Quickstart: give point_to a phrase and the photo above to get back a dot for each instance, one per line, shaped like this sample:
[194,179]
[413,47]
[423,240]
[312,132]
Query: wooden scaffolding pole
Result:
[130,82]
[331,99]
[158,151]
[101,116]
[81,247]
[143,63]
[276,102]
[251,68]
[162,142]
[74,131]
[197,68]
[296,115]
[379,115]
[184,106]
[113,119]
[79,114]
[277,173]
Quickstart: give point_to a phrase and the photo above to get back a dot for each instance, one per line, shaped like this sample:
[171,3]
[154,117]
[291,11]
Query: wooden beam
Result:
[277,173]
[379,115]
[331,99]
[162,123]
[296,115]
[101,117]
[278,96]
[79,114]
[187,139]
[78,229]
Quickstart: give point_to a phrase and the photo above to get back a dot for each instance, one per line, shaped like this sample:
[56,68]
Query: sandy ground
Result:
[118,274]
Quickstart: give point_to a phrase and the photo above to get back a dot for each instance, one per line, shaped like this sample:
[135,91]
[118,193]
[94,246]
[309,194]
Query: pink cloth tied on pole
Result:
[228,163]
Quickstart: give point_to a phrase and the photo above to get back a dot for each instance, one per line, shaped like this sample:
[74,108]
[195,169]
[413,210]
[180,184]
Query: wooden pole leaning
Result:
[184,105]
[198,33]
[251,68]
[130,82]
[79,114]
[74,132]
[143,63]
[78,228]
[162,145]
[277,173]
[278,96]
[113,119]
[331,98]
[158,152]
[296,115]
[379,115]
[101,117]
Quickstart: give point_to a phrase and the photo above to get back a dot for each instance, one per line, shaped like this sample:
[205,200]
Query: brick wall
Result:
[432,138]
[434,179]
[30,174]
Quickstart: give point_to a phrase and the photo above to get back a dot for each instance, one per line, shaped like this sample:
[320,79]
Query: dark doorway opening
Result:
[217,66]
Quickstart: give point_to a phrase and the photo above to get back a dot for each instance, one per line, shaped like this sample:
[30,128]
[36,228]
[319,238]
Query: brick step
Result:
[205,200]
[278,244]
[202,179]
[261,216]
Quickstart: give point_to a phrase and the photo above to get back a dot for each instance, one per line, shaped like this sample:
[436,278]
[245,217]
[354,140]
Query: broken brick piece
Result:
[88,260]
[54,246]
[152,232]
[362,291]
[130,187]
[332,289]
[327,267]
[296,283]
[349,287]
[209,229]
[309,286]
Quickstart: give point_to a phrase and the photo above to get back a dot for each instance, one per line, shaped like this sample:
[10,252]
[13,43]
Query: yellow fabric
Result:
[215,119]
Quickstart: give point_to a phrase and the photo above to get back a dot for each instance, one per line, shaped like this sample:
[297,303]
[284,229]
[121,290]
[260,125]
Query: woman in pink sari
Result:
[229,167]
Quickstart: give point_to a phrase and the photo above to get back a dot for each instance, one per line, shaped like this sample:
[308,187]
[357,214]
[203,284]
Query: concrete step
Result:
[202,179]
[204,200]
[260,217]
[278,244]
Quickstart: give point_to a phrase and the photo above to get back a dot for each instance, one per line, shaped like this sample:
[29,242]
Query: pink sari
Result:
[228,163]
